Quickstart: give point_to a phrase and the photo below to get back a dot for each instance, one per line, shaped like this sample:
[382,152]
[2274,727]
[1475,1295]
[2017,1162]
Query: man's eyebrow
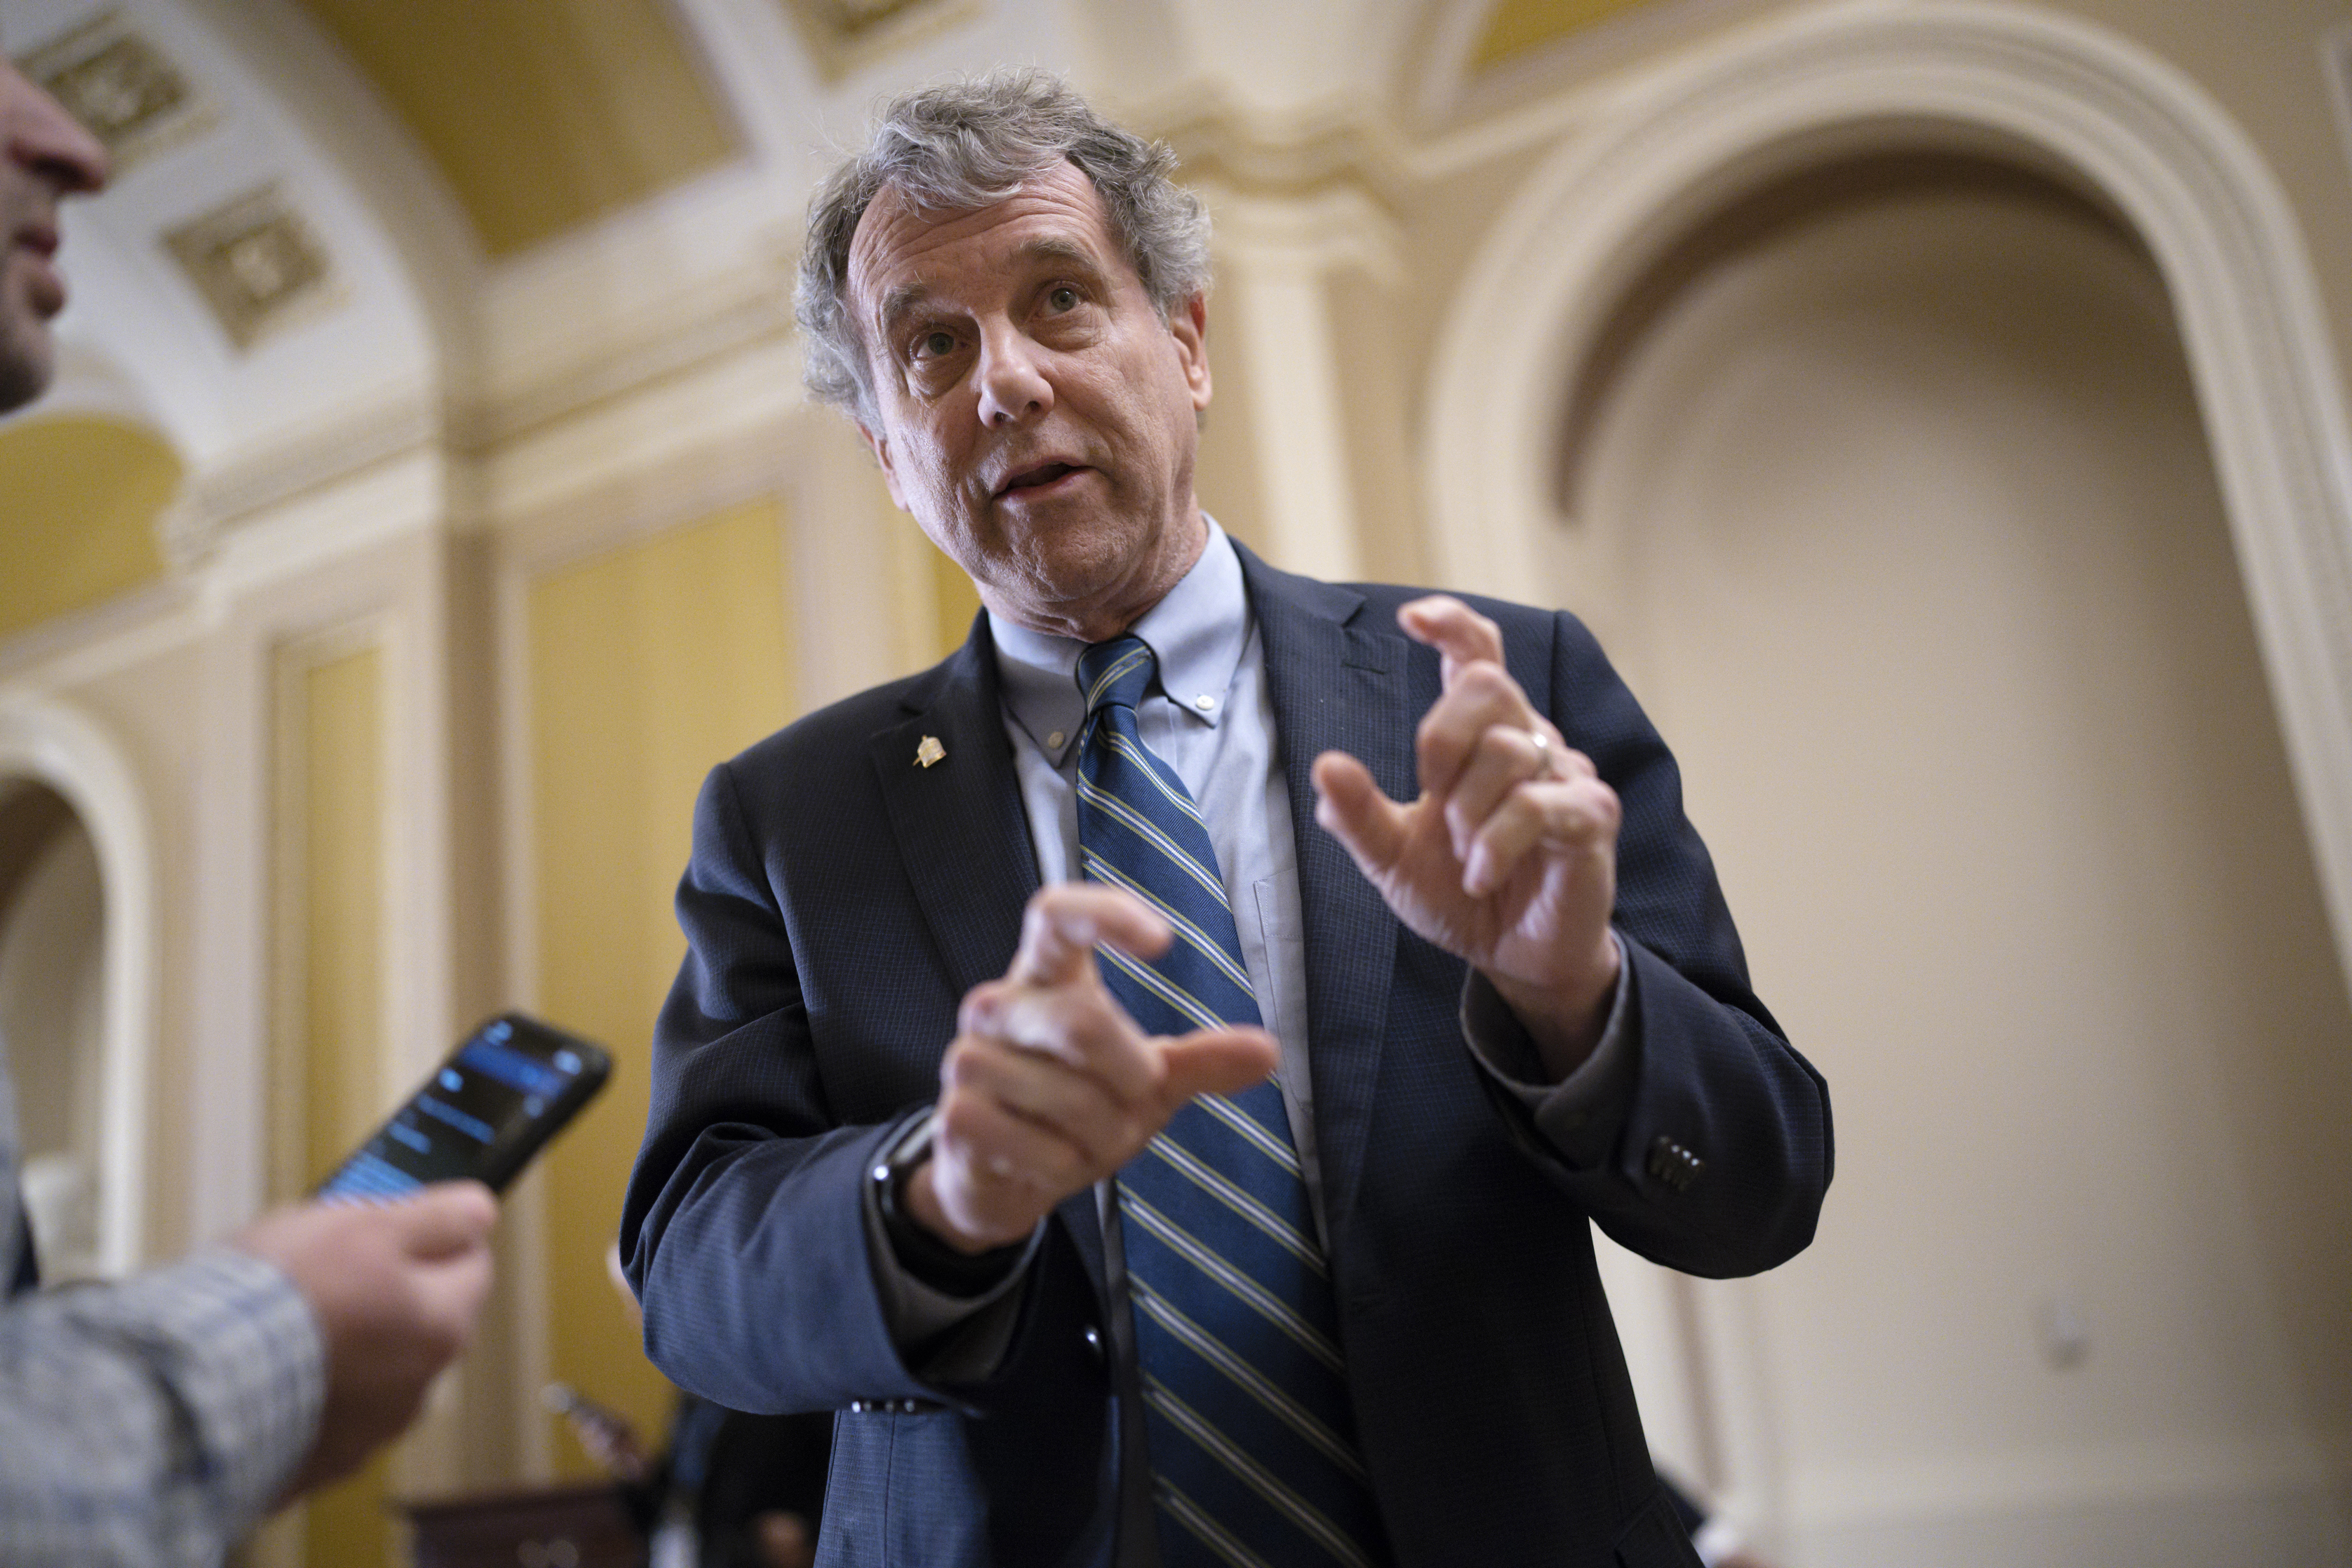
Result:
[899,301]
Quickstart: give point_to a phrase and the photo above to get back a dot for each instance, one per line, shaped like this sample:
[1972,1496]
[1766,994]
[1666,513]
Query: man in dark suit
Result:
[911,1151]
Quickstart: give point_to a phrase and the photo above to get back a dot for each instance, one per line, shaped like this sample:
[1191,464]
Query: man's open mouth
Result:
[1036,478]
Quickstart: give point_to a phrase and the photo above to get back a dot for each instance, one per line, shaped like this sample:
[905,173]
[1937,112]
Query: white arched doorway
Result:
[59,750]
[1927,525]
[2095,111]
[1903,525]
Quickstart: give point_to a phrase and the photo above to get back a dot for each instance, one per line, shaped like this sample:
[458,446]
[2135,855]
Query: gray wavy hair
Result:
[960,146]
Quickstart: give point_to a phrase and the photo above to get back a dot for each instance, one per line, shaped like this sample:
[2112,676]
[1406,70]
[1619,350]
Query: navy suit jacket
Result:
[841,899]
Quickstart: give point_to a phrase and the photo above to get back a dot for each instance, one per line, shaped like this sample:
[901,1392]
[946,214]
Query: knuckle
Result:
[1508,745]
[960,1118]
[1486,679]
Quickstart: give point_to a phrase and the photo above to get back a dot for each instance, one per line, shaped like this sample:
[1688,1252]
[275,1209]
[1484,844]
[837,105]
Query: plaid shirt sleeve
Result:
[153,1421]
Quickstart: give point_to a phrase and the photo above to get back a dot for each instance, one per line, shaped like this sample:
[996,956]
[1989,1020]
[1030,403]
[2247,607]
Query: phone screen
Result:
[482,1114]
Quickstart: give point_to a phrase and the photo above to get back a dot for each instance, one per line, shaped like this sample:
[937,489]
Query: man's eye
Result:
[1062,296]
[935,345]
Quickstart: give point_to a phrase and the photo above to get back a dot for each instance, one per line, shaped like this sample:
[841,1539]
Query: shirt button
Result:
[1204,702]
[1053,741]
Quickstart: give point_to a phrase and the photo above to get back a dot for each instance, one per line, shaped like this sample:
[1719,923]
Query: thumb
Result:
[1216,1061]
[450,1290]
[447,1220]
[1353,810]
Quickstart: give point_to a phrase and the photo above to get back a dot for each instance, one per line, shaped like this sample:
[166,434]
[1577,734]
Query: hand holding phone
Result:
[394,1289]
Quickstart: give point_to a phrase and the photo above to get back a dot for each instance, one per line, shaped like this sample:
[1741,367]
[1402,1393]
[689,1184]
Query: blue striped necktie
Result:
[1253,1444]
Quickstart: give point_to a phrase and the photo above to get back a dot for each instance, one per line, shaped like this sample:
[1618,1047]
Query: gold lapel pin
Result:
[930,751]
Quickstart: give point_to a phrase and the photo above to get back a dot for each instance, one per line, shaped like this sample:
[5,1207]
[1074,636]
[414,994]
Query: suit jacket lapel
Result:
[1337,686]
[963,837]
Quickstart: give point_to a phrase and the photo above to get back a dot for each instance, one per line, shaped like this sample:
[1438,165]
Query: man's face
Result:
[1037,417]
[44,155]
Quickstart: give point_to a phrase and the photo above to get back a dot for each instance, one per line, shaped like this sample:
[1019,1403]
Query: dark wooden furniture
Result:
[541,1527]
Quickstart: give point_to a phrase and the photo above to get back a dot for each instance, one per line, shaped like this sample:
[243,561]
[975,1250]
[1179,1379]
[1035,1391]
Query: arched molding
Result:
[2069,100]
[60,746]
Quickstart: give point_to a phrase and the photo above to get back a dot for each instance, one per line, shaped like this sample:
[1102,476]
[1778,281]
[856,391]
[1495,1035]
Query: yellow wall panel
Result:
[648,665]
[957,600]
[543,114]
[1522,27]
[78,525]
[341,877]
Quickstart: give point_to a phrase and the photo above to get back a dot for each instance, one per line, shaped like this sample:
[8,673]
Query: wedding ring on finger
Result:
[1545,755]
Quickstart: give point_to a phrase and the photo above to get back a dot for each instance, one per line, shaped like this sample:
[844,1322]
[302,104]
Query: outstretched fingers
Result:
[1351,807]
[1065,921]
[1457,631]
[1215,1061]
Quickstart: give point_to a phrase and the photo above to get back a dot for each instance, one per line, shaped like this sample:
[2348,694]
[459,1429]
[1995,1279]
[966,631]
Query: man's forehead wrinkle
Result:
[1053,248]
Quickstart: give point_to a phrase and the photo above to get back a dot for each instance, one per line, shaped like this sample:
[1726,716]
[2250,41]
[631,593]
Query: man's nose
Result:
[43,138]
[1013,387]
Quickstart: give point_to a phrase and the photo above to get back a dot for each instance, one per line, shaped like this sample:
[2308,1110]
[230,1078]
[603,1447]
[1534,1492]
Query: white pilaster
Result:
[1276,256]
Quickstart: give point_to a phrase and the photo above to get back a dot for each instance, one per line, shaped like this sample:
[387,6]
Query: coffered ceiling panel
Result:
[543,114]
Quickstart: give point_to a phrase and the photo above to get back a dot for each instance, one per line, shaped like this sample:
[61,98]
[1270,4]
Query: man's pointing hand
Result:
[1049,1086]
[1508,860]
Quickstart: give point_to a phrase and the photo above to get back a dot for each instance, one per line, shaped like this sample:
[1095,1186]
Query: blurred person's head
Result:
[48,157]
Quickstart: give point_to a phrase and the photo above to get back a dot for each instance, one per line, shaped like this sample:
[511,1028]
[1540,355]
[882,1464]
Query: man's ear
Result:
[1188,323]
[880,447]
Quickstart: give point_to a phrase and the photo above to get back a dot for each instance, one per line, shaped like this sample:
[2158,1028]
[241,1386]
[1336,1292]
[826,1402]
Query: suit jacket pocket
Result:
[1654,1539]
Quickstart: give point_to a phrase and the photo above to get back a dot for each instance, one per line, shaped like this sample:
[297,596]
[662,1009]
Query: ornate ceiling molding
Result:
[124,87]
[1219,143]
[257,265]
[845,36]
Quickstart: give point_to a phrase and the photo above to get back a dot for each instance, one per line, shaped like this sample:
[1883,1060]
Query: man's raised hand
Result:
[1049,1086]
[1508,860]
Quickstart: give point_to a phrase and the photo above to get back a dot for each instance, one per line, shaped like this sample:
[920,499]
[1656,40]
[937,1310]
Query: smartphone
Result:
[501,1095]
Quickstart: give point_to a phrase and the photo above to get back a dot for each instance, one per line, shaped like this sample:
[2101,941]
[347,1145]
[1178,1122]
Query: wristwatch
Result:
[921,1254]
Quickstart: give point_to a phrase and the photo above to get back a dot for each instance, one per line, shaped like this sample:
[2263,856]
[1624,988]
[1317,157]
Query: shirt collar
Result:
[1196,632]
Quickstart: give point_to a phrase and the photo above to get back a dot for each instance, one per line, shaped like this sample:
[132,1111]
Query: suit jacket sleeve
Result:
[744,1225]
[1714,1157]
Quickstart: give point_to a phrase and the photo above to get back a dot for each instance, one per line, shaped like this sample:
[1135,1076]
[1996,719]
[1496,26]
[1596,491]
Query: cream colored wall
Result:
[146,708]
[1904,529]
